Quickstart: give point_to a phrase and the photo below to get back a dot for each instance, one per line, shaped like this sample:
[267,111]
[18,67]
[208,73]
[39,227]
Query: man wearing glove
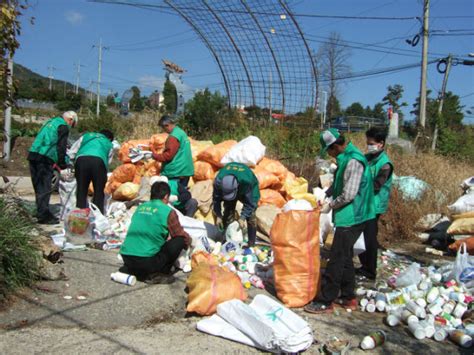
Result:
[176,159]
[352,205]
[48,152]
[180,197]
[146,252]
[236,182]
[93,153]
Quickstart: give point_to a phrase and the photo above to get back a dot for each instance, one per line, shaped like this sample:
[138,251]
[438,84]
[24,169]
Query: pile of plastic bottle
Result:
[427,300]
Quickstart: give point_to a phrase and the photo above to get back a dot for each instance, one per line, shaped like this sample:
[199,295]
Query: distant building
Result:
[156,100]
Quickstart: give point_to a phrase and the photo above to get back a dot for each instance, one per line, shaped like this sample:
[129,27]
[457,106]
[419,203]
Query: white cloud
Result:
[151,82]
[74,17]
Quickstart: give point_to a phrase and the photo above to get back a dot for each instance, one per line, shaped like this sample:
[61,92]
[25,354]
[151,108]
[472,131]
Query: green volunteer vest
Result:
[148,230]
[362,208]
[382,198]
[182,163]
[174,191]
[46,142]
[95,145]
[245,177]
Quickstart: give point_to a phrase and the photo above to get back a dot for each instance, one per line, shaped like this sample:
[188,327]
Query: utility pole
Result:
[270,97]
[99,75]
[51,68]
[424,64]
[8,111]
[78,76]
[441,101]
[325,106]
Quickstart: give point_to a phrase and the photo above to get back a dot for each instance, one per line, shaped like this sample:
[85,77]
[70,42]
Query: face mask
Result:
[372,148]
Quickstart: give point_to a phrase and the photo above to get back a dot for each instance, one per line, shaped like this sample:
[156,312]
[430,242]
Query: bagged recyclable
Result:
[76,226]
[125,148]
[111,186]
[202,192]
[198,146]
[214,154]
[462,226]
[124,173]
[463,204]
[275,167]
[67,196]
[469,245]
[248,151]
[295,245]
[462,262]
[203,171]
[126,192]
[297,187]
[297,205]
[266,215]
[157,142]
[210,285]
[266,179]
[271,197]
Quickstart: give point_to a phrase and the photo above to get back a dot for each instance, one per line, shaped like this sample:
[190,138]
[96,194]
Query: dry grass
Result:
[145,124]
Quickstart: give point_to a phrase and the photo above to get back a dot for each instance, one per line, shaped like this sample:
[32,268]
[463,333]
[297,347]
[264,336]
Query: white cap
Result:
[159,178]
[71,115]
[367,343]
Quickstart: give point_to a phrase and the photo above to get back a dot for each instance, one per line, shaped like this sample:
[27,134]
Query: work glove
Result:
[325,208]
[219,223]
[242,223]
[173,198]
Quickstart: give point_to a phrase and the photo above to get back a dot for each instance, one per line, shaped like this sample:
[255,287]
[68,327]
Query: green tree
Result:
[334,107]
[136,103]
[204,111]
[71,101]
[378,110]
[355,109]
[393,97]
[170,97]
[254,112]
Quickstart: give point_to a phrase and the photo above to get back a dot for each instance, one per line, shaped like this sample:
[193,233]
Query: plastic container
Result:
[440,334]
[421,302]
[380,302]
[393,319]
[417,330]
[373,340]
[457,296]
[409,317]
[370,307]
[416,310]
[123,278]
[459,310]
[256,281]
[363,302]
[460,338]
[432,294]
[449,307]
[429,328]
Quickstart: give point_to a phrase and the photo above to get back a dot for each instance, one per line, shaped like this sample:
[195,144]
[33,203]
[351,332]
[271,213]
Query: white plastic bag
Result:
[462,262]
[265,324]
[463,204]
[297,205]
[411,276]
[99,221]
[359,245]
[248,151]
[234,233]
[325,226]
[67,196]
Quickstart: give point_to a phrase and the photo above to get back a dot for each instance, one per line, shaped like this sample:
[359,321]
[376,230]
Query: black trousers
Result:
[162,262]
[368,259]
[41,176]
[190,207]
[90,169]
[340,273]
[229,217]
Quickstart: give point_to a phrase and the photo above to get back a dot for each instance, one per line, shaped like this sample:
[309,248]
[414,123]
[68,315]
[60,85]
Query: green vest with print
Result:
[362,208]
[382,198]
[245,177]
[95,145]
[182,163]
[148,230]
[46,142]
[173,183]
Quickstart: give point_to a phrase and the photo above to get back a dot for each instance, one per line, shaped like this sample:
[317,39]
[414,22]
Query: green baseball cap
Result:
[327,138]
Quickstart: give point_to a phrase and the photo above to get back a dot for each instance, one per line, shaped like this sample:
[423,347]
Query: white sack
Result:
[248,151]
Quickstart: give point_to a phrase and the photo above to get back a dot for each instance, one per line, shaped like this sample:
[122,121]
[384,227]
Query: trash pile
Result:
[433,302]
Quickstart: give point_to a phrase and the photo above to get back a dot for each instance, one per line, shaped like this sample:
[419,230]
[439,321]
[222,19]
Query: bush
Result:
[121,127]
[18,258]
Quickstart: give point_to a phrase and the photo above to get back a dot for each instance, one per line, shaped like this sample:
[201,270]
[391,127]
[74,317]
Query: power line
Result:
[150,40]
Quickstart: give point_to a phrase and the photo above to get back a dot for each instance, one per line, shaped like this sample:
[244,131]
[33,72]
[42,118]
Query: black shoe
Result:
[160,279]
[365,274]
[49,221]
[124,269]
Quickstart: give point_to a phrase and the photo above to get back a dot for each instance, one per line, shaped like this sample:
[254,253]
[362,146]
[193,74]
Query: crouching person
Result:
[146,252]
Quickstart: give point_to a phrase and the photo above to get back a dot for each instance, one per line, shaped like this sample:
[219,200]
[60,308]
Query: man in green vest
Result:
[92,153]
[180,197]
[381,169]
[48,152]
[353,205]
[236,182]
[147,252]
[176,159]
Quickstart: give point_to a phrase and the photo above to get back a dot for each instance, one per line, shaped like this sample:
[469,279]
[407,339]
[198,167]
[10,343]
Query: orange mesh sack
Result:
[215,153]
[266,179]
[210,285]
[203,171]
[271,197]
[124,173]
[295,245]
[125,148]
[275,167]
[469,245]
[157,142]
[111,186]
[199,146]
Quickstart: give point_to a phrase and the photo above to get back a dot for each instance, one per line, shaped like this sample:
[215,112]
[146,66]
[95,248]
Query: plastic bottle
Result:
[256,281]
[460,309]
[429,328]
[370,307]
[393,319]
[380,302]
[449,307]
[432,294]
[409,317]
[417,294]
[416,310]
[123,278]
[363,302]
[373,340]
[421,302]
[460,338]
[457,296]
[440,334]
[435,277]
[417,330]
[424,285]
[396,298]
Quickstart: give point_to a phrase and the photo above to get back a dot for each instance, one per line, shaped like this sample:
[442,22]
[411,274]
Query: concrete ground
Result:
[114,318]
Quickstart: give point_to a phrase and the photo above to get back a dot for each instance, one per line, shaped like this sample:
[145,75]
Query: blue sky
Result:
[65,31]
